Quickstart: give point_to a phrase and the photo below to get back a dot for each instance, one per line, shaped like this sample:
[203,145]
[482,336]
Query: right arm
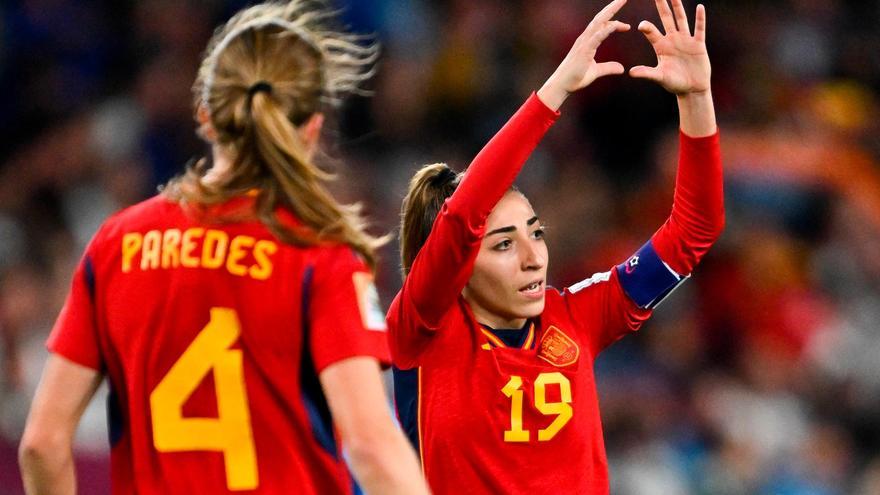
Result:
[70,377]
[46,452]
[380,456]
[444,264]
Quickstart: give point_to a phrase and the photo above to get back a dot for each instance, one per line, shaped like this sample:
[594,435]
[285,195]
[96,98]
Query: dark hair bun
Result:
[445,176]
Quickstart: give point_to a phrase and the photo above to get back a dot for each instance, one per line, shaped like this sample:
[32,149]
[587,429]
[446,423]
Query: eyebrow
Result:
[511,228]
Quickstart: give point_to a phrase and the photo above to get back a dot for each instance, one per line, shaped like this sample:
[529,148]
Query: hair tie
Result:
[258,87]
[446,175]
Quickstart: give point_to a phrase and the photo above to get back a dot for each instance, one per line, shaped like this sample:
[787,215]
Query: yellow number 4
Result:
[230,432]
[561,409]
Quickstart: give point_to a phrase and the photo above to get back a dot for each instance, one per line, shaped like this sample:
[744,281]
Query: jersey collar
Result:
[495,342]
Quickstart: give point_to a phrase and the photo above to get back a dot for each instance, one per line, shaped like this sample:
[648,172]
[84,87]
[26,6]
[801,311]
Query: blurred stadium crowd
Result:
[759,376]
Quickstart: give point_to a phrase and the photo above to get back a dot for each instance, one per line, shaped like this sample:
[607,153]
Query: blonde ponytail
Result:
[266,72]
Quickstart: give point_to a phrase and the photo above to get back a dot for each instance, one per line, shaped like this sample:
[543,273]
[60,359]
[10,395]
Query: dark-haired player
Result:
[494,373]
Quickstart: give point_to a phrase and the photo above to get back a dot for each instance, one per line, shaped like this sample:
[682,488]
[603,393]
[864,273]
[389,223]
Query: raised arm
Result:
[444,263]
[697,216]
[683,66]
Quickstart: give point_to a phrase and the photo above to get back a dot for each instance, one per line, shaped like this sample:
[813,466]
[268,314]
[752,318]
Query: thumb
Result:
[645,72]
[609,68]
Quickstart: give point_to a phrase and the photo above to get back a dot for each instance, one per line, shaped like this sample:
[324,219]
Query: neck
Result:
[494,321]
[221,168]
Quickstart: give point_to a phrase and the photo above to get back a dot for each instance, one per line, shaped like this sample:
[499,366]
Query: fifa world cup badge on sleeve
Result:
[557,348]
[372,315]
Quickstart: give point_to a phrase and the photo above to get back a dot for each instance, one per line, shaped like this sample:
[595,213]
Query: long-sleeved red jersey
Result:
[491,418]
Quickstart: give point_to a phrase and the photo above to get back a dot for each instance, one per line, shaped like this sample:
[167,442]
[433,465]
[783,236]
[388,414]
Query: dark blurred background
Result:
[761,375]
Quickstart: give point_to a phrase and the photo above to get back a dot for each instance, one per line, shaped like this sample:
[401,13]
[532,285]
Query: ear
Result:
[310,132]
[206,129]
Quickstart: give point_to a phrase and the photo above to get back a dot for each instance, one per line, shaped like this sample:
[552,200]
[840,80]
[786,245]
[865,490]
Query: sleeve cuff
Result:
[534,104]
[79,358]
[379,352]
[705,141]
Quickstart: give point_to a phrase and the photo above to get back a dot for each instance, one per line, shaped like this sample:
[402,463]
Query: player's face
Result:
[510,271]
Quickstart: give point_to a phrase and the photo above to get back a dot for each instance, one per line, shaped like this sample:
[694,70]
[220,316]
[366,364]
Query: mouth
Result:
[534,289]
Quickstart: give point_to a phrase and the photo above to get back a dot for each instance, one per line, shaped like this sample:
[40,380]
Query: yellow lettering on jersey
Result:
[237,252]
[513,390]
[230,432]
[198,247]
[171,248]
[214,248]
[152,250]
[131,245]
[262,250]
[188,245]
[561,409]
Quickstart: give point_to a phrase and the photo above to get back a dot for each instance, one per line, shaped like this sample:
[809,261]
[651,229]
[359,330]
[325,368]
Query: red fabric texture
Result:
[697,216]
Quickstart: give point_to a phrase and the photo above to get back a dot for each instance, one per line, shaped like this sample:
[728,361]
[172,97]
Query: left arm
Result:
[683,66]
[683,69]
[347,343]
[46,454]
[619,301]
[380,456]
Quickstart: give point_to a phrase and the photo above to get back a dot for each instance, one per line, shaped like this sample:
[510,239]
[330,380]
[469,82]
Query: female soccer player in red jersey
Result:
[234,314]
[494,375]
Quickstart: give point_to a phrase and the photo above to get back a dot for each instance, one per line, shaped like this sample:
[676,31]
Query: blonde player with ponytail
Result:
[234,314]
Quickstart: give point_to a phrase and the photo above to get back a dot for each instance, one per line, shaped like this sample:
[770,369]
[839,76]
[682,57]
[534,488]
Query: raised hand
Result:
[579,68]
[682,60]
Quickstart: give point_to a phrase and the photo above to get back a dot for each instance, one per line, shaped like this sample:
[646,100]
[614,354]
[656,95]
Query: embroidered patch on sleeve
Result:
[372,315]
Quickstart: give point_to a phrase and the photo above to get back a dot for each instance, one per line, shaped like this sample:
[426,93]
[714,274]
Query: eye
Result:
[503,245]
[538,233]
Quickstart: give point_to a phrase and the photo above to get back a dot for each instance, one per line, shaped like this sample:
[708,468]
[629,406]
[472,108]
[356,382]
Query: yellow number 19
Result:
[562,409]
[230,432]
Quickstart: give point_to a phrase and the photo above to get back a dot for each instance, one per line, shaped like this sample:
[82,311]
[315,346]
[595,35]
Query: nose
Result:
[532,257]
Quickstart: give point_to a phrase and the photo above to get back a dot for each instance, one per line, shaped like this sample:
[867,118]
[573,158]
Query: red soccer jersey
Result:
[212,335]
[496,419]
[488,418]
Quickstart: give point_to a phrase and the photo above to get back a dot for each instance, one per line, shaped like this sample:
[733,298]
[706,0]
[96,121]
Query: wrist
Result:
[552,94]
[697,114]
[704,94]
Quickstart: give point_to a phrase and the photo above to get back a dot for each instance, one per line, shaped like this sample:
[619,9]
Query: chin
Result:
[533,309]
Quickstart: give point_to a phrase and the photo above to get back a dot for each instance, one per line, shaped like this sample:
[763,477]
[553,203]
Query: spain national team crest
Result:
[557,348]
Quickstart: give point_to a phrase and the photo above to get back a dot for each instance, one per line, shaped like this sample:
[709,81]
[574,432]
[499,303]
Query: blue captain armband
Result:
[646,279]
